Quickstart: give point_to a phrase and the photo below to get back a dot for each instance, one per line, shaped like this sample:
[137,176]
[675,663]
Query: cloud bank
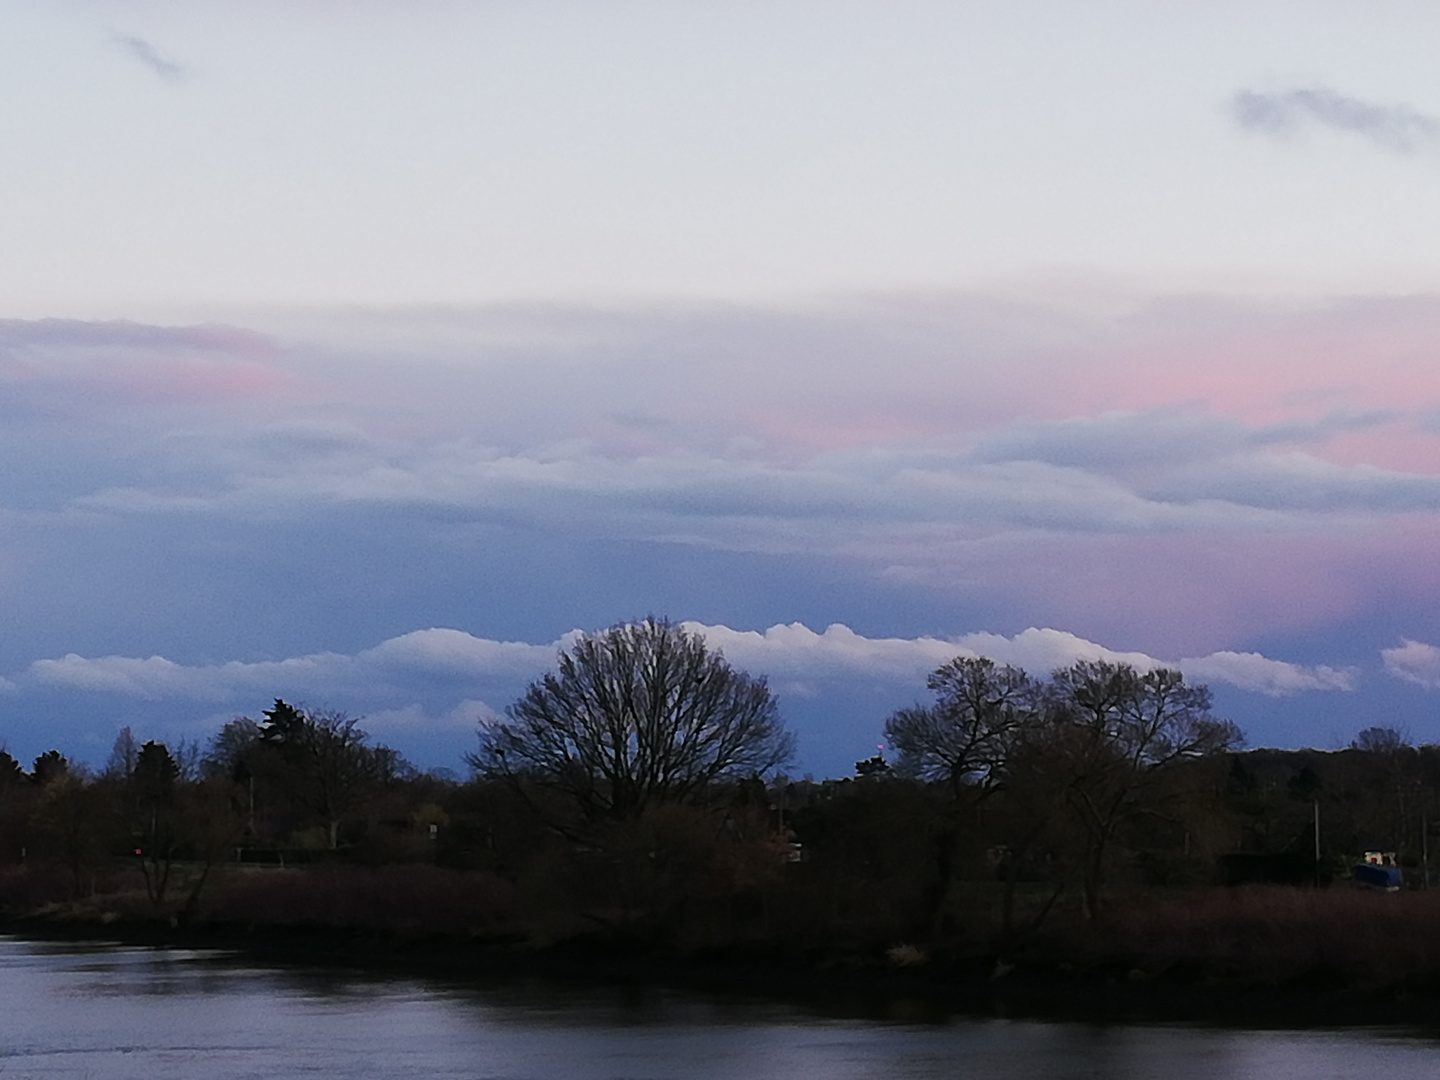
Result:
[789,651]
[206,516]
[420,654]
[795,650]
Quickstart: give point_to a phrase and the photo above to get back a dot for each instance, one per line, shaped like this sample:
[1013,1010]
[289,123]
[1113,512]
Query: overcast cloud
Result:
[942,468]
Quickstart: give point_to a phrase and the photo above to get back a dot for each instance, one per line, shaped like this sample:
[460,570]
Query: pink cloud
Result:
[952,368]
[1267,366]
[193,381]
[73,360]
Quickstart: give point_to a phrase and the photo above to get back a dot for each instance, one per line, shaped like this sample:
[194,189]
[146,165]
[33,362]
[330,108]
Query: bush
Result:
[410,898]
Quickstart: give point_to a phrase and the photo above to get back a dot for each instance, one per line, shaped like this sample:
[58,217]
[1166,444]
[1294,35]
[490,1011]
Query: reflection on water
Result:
[88,1011]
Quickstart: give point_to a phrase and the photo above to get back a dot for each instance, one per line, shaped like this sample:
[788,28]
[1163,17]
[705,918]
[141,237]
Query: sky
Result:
[363,353]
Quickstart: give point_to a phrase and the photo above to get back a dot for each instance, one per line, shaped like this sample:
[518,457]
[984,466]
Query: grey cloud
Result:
[851,503]
[1183,457]
[268,449]
[1300,483]
[1117,440]
[1121,442]
[1429,421]
[1394,127]
[439,442]
[145,53]
[1334,423]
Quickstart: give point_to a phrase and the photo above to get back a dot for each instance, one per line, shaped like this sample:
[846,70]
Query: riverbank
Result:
[1249,958]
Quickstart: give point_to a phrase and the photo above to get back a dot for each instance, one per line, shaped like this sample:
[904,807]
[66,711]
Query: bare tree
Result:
[637,715]
[965,740]
[965,736]
[1119,731]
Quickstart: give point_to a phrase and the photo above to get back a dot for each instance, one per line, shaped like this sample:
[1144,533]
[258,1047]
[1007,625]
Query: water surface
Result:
[119,1012]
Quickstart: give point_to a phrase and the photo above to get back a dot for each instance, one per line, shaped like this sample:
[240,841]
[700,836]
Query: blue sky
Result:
[359,353]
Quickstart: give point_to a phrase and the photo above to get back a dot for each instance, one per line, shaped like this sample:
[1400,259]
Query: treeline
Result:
[289,784]
[635,793]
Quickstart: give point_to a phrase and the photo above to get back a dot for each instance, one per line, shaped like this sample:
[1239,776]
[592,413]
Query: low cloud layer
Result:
[790,651]
[797,651]
[426,691]
[1397,128]
[435,653]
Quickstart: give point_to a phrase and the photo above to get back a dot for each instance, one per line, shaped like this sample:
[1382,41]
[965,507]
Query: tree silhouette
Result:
[636,716]
[1119,731]
[966,734]
[323,761]
[157,821]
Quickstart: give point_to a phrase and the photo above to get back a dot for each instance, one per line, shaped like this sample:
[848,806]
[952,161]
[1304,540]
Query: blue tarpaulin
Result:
[1377,877]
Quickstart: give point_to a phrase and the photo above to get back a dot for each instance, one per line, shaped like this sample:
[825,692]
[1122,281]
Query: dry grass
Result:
[402,897]
[28,886]
[1277,933]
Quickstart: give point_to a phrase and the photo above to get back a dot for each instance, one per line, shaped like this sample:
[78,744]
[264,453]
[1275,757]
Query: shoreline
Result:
[840,983]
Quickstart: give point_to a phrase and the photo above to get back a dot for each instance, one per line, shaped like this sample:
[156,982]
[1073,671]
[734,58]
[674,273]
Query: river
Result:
[118,1012]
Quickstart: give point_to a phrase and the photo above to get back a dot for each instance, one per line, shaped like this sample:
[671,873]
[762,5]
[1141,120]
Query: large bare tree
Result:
[1120,732]
[635,716]
[965,736]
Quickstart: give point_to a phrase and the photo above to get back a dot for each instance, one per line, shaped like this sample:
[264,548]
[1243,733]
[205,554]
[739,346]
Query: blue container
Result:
[1373,876]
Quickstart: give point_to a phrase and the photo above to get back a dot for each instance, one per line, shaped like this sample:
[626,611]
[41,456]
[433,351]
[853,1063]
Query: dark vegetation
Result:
[1036,837]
